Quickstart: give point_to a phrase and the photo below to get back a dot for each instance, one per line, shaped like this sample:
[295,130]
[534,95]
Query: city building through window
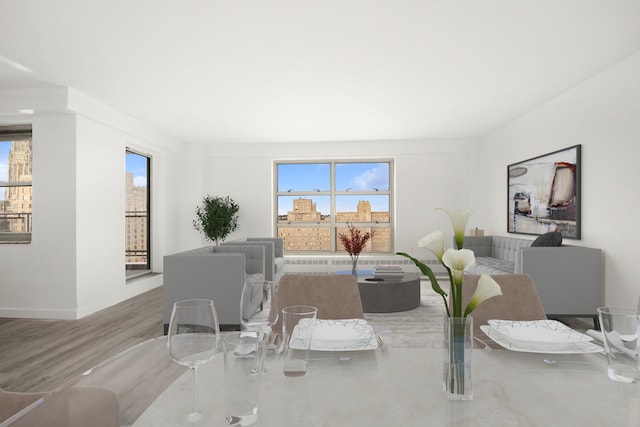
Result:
[315,202]
[137,214]
[15,184]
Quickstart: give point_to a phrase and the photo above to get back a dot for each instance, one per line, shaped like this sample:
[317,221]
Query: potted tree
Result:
[216,217]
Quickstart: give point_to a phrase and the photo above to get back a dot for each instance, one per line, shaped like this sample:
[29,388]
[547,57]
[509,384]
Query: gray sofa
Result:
[495,254]
[569,279]
[213,272]
[273,254]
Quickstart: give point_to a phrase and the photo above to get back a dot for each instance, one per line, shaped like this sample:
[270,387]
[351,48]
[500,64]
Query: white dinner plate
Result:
[539,331]
[342,335]
[496,331]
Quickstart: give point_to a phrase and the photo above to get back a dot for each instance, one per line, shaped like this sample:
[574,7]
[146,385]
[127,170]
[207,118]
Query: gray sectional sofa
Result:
[495,254]
[213,272]
[569,279]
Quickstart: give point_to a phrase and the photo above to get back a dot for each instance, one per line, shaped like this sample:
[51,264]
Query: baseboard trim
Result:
[29,313]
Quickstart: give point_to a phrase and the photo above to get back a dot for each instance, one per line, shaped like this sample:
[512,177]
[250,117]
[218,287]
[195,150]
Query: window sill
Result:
[17,238]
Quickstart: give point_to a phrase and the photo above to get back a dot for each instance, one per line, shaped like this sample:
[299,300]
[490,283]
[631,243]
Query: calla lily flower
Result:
[458,259]
[487,288]
[434,242]
[455,261]
[459,222]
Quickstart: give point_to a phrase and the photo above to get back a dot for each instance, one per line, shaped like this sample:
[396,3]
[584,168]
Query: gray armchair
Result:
[273,254]
[213,272]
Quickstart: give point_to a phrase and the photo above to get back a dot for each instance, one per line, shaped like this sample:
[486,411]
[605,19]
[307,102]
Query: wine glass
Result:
[259,308]
[193,339]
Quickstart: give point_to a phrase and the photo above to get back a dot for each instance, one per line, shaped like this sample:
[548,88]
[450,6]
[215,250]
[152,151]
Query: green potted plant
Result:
[216,217]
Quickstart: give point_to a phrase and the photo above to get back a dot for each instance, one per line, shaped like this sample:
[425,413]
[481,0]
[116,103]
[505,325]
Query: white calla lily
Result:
[458,259]
[459,222]
[434,242]
[487,288]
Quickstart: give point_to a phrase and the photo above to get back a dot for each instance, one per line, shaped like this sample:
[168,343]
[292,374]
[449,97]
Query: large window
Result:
[15,184]
[137,214]
[316,201]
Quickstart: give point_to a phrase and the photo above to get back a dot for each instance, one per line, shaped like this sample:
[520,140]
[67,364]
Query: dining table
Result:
[385,386]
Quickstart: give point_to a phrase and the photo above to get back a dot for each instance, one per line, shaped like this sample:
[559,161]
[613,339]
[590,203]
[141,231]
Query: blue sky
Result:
[137,165]
[349,177]
[356,176]
[5,147]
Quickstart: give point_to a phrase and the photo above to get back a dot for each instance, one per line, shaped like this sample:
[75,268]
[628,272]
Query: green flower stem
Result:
[459,300]
[454,293]
[457,355]
[434,282]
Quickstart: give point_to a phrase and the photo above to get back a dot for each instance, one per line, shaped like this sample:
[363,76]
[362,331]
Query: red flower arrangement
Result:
[354,243]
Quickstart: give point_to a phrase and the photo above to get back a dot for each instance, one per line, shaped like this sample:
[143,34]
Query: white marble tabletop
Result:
[402,387]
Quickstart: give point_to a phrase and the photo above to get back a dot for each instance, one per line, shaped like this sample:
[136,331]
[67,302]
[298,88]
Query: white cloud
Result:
[372,178]
[140,181]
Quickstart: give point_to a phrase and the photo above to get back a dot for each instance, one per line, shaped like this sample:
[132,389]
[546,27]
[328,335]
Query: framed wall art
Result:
[543,194]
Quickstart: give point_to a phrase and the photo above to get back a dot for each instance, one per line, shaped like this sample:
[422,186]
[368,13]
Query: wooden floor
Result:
[41,355]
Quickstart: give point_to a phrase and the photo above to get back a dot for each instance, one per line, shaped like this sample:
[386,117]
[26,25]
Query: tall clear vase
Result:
[457,381]
[354,267]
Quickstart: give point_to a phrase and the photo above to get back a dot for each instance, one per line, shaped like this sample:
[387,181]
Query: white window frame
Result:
[333,193]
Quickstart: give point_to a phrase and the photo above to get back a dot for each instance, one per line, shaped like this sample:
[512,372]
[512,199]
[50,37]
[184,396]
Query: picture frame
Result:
[543,194]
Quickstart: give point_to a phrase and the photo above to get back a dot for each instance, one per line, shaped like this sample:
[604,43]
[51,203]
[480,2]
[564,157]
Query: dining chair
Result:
[519,301]
[336,296]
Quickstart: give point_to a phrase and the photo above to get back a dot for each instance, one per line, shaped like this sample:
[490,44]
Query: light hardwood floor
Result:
[40,355]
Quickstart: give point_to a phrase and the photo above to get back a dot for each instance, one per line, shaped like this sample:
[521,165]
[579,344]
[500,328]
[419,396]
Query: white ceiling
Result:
[316,70]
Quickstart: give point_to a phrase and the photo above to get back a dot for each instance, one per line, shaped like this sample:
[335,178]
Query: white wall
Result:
[602,114]
[428,174]
[75,263]
[100,223]
[38,279]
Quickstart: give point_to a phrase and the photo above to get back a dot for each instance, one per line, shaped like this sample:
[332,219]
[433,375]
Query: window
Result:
[315,202]
[137,214]
[15,184]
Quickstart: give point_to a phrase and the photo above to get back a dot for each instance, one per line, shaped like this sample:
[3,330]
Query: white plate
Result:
[539,331]
[493,332]
[342,335]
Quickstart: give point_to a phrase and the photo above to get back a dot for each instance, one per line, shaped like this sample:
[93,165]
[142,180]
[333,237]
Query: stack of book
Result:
[388,272]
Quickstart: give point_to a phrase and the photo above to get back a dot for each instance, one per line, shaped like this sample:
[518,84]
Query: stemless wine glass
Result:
[259,309]
[193,339]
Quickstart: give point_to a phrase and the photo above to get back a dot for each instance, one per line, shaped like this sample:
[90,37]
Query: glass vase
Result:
[457,382]
[354,267]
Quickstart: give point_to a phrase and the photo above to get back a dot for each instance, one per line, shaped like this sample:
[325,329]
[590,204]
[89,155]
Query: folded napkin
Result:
[596,335]
[245,349]
[615,340]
